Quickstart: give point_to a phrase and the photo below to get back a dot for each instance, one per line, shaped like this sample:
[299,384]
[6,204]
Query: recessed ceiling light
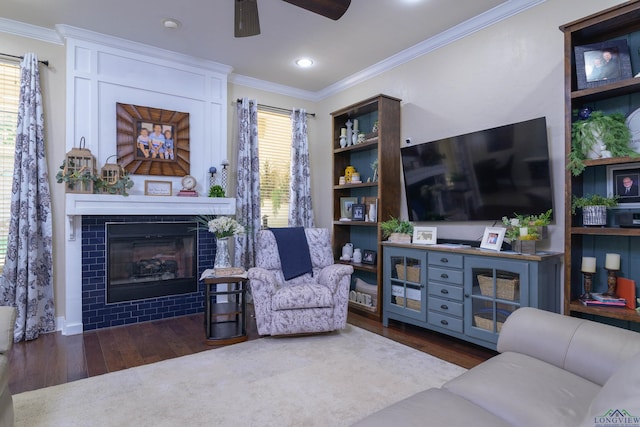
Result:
[304,62]
[171,23]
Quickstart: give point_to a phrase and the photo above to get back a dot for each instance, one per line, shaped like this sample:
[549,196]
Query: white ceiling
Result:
[369,33]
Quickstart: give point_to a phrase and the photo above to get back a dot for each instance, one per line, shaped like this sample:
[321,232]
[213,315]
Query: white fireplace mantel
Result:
[78,205]
[107,204]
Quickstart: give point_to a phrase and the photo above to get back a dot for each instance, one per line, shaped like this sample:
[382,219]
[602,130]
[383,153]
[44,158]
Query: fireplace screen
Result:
[151,259]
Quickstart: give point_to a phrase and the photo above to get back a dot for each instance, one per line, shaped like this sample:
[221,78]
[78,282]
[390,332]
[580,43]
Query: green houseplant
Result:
[594,208]
[396,230]
[595,133]
[216,191]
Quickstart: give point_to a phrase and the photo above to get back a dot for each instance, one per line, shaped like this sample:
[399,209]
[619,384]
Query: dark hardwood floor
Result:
[56,359]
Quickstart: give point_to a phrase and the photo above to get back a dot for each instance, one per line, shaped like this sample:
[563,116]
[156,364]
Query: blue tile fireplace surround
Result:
[97,313]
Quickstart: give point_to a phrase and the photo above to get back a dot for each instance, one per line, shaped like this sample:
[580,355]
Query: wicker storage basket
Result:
[507,287]
[411,303]
[484,321]
[412,273]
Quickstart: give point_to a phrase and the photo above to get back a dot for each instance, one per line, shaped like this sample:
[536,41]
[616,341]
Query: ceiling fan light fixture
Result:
[304,62]
[170,23]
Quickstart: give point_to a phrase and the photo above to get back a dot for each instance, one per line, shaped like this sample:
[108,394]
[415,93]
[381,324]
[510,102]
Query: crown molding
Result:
[30,31]
[277,88]
[499,13]
[71,32]
[477,23]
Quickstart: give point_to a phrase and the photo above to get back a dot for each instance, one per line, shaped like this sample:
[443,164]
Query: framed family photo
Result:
[622,181]
[493,237]
[425,235]
[152,141]
[346,205]
[369,257]
[602,63]
[358,211]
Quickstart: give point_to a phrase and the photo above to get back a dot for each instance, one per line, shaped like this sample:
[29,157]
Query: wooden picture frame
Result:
[493,237]
[425,235]
[346,204]
[358,211]
[369,257]
[157,188]
[617,178]
[137,126]
[602,63]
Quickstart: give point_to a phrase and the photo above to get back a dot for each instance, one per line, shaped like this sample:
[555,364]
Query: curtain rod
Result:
[277,109]
[46,63]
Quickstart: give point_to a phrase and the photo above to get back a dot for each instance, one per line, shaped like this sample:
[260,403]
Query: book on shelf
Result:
[606,298]
[596,303]
[626,288]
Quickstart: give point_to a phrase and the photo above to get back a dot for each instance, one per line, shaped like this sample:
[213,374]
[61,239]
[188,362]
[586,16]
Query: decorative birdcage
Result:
[79,169]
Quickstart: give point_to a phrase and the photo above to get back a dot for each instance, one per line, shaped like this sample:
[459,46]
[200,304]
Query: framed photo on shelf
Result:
[369,257]
[346,204]
[493,237]
[157,188]
[425,235]
[624,181]
[602,63]
[358,211]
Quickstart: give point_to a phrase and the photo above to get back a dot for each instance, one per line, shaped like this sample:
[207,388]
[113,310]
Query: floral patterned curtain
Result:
[300,209]
[248,187]
[27,279]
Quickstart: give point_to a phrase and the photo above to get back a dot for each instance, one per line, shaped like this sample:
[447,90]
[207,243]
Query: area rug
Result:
[323,380]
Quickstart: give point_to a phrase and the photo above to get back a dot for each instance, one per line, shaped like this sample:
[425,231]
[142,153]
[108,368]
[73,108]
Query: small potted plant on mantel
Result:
[594,208]
[397,231]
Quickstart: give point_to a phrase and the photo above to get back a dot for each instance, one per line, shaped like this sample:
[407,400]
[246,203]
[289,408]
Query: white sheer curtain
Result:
[300,209]
[248,186]
[27,279]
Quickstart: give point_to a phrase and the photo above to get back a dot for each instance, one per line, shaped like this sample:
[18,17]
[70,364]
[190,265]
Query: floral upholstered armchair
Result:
[312,302]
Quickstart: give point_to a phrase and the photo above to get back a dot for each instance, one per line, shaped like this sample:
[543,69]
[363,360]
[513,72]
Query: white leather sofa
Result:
[7,322]
[553,370]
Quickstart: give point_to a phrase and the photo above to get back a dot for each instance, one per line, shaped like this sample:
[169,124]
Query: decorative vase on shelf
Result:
[222,259]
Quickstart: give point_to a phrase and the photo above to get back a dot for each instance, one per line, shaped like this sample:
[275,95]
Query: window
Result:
[9,96]
[274,151]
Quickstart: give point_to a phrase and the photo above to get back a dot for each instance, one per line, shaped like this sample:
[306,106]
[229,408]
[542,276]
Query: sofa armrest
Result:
[589,349]
[7,325]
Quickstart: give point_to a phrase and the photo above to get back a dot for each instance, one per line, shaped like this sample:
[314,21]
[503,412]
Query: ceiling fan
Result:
[247,22]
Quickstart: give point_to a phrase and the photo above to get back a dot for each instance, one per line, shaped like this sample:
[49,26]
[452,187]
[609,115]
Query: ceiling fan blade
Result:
[246,22]
[333,9]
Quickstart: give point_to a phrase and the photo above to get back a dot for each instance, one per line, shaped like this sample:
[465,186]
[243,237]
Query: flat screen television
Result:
[480,176]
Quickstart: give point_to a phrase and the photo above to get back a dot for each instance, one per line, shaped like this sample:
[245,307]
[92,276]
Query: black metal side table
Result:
[226,322]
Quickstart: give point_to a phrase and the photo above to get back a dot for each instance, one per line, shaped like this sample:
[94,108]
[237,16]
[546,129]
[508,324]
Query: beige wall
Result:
[509,72]
[505,73]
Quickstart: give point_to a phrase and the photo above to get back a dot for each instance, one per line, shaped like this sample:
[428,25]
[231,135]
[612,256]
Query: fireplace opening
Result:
[150,259]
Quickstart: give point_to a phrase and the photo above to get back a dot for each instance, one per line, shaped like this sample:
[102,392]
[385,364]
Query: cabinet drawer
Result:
[445,291]
[444,321]
[445,275]
[444,306]
[445,259]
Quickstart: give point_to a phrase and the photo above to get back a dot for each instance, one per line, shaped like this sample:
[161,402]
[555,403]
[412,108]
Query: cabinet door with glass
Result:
[405,290]
[493,290]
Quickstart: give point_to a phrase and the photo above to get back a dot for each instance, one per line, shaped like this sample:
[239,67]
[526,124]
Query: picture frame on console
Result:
[425,235]
[624,181]
[492,238]
[602,63]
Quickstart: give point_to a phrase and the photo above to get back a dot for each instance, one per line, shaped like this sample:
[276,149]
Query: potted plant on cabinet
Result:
[597,135]
[395,230]
[594,208]
[524,231]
